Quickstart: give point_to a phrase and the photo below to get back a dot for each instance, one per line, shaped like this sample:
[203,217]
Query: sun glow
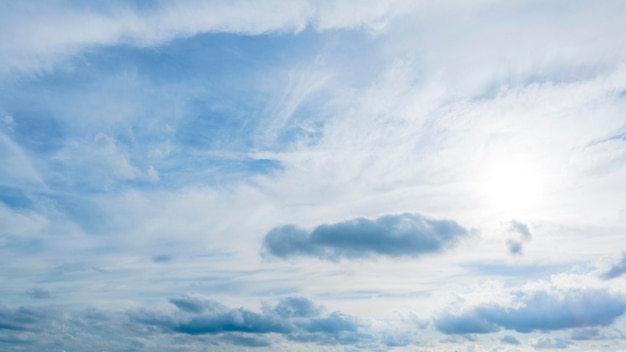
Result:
[511,184]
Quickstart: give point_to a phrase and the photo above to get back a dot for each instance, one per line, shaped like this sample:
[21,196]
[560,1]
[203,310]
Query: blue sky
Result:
[312,175]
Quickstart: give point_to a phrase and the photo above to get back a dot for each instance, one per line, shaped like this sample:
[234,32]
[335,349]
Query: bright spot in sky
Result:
[510,184]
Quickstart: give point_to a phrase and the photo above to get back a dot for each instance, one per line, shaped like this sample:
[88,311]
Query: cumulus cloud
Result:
[538,310]
[616,270]
[403,235]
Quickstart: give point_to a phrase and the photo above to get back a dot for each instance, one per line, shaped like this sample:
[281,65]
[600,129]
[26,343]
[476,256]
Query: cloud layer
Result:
[403,235]
[538,310]
[295,318]
[149,150]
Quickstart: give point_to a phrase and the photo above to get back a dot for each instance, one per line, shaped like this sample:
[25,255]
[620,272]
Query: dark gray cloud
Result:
[403,235]
[538,311]
[519,234]
[509,340]
[616,270]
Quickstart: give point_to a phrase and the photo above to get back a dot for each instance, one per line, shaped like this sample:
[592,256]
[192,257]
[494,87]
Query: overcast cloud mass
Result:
[312,175]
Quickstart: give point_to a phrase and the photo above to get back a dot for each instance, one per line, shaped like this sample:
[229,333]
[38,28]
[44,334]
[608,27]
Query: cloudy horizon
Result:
[312,175]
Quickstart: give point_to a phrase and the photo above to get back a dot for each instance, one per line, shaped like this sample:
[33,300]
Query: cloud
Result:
[616,270]
[297,307]
[509,340]
[404,235]
[465,324]
[210,317]
[246,341]
[596,334]
[39,293]
[196,304]
[296,318]
[519,233]
[585,334]
[237,320]
[162,258]
[547,343]
[538,310]
[22,319]
[27,46]
[333,324]
[194,323]
[520,228]
[125,135]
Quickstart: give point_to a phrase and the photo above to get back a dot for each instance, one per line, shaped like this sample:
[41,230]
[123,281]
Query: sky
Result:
[313,175]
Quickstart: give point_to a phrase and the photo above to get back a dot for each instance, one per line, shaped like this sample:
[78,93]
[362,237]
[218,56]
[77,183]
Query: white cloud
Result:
[38,35]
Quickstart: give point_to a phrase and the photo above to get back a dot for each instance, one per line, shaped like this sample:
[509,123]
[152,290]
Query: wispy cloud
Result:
[41,47]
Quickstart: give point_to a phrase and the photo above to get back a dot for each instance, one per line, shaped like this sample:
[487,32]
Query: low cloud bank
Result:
[540,310]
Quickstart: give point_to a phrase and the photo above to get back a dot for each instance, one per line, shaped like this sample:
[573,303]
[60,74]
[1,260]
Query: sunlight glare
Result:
[511,184]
